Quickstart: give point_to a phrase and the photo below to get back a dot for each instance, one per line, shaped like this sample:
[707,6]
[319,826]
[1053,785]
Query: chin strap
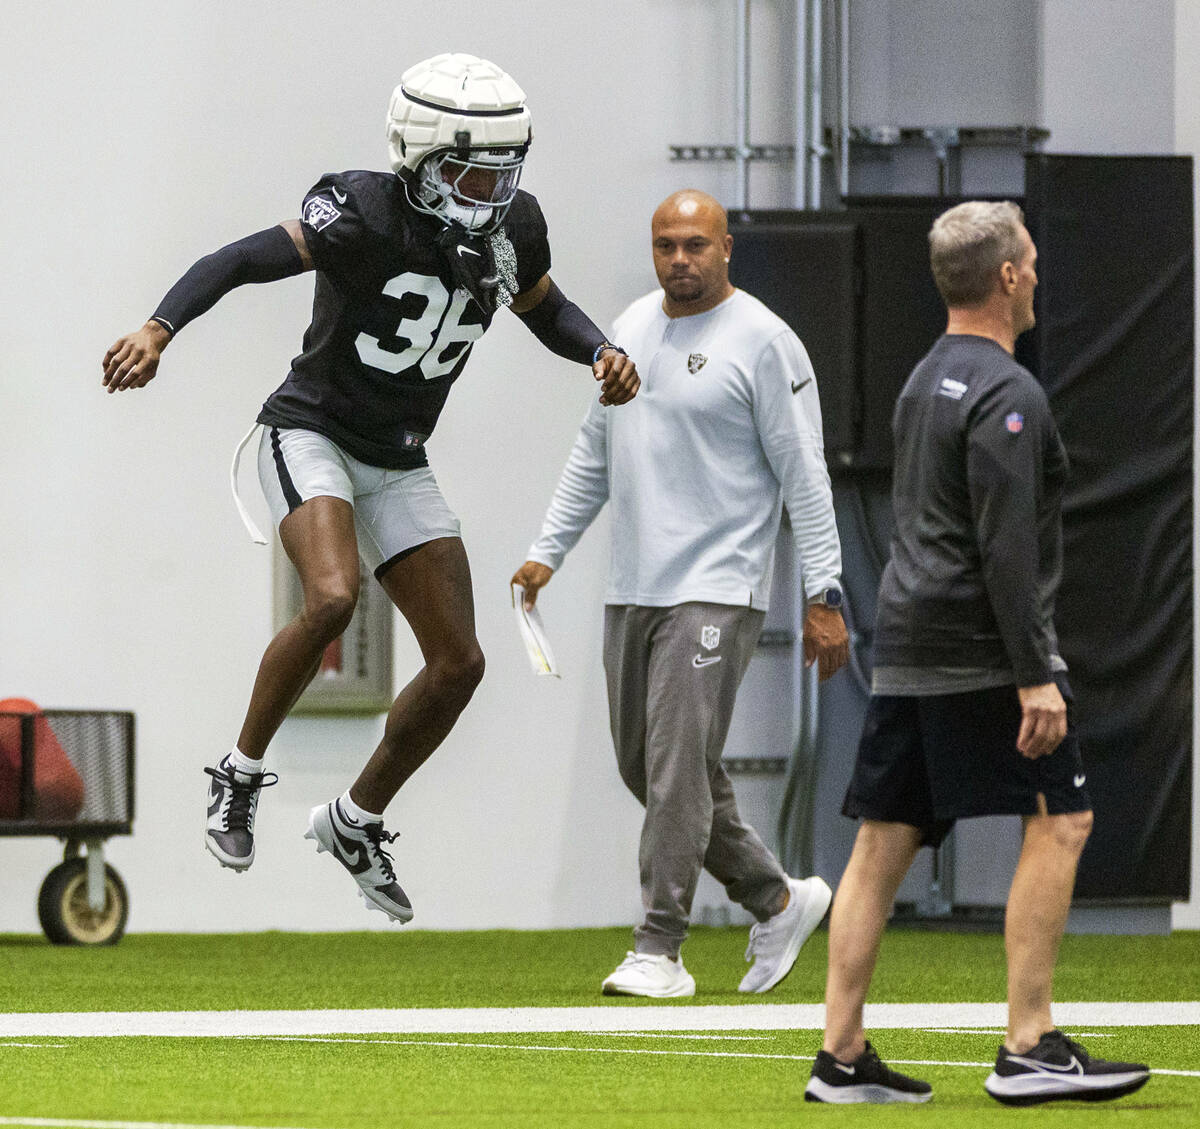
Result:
[484,266]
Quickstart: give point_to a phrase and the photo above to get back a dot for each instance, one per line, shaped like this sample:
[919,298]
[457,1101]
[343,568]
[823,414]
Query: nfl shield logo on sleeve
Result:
[709,637]
[696,361]
[319,213]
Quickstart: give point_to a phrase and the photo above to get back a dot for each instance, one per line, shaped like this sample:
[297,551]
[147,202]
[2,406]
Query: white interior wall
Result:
[1108,75]
[139,136]
[944,62]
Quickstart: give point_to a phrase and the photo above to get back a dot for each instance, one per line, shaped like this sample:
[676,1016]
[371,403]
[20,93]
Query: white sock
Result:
[359,815]
[243,766]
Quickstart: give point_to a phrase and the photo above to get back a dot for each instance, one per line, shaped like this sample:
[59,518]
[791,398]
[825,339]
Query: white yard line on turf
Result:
[706,1038]
[565,1050]
[710,1017]
[624,1051]
[1004,1031]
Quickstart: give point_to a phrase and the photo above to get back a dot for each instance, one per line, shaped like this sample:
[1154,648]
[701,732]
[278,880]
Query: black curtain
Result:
[1114,350]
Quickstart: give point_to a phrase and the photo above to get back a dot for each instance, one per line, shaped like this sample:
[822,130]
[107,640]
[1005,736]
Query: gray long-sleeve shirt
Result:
[977,554]
[726,428]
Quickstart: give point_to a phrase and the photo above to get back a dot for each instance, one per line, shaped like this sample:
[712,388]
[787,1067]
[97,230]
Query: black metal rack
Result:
[82,900]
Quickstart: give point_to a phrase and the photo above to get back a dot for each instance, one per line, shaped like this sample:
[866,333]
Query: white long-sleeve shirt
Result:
[725,429]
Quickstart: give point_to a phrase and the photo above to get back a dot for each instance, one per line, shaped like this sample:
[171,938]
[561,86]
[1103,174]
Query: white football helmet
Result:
[458,132]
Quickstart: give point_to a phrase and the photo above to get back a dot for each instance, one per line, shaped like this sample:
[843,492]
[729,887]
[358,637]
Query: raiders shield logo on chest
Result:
[696,361]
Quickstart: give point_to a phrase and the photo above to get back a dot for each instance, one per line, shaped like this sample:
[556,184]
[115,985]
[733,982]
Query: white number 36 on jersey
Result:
[429,335]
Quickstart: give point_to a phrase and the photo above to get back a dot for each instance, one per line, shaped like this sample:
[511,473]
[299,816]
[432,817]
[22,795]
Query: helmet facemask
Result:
[458,131]
[469,187]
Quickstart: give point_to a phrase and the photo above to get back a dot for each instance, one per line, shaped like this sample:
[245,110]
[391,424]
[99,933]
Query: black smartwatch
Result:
[831,597]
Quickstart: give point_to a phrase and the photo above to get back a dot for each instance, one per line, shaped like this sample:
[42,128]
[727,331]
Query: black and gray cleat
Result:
[359,848]
[232,802]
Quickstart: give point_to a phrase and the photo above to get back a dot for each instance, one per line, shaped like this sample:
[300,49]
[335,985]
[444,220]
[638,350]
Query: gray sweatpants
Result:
[673,674]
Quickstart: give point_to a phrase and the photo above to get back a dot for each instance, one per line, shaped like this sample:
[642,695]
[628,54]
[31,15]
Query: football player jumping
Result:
[411,266]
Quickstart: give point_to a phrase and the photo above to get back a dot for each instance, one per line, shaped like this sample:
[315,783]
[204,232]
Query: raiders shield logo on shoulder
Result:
[696,362]
[319,213]
[709,637]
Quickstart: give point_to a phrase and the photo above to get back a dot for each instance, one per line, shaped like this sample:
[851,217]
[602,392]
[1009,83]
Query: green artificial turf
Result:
[413,1081]
[724,1080]
[537,969]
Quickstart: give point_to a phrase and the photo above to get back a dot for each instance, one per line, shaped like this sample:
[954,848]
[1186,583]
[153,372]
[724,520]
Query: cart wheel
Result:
[63,908]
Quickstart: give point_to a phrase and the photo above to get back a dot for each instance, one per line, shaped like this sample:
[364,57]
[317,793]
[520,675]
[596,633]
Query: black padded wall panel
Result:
[1114,349]
[809,274]
[855,286]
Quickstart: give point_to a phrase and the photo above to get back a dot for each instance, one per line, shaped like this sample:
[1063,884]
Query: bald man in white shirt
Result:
[726,431]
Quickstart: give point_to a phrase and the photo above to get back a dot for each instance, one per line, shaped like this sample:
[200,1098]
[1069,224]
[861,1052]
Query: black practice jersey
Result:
[391,330]
[977,493]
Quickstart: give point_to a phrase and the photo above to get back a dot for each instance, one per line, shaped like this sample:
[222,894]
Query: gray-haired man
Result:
[968,713]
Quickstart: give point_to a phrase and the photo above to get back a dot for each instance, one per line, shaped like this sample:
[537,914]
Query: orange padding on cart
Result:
[57,787]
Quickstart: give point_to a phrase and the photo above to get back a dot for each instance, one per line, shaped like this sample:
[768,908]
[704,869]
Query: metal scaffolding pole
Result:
[843,138]
[816,148]
[741,198]
[800,94]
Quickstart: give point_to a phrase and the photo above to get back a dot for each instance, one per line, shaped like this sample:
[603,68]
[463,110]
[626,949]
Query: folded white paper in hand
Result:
[533,635]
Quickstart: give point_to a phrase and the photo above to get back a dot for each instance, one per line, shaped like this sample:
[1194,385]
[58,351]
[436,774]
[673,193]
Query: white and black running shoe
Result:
[232,802]
[866,1079]
[1059,1069]
[359,848]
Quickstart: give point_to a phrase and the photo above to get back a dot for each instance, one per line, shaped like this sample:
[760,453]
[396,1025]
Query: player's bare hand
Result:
[532,576]
[1043,720]
[132,362]
[826,642]
[618,376]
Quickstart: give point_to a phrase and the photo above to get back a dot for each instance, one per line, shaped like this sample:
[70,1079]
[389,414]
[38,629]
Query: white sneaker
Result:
[359,848]
[649,974]
[774,943]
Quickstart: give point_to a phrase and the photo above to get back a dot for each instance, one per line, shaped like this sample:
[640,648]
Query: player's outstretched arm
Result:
[132,360]
[565,329]
[279,252]
[533,576]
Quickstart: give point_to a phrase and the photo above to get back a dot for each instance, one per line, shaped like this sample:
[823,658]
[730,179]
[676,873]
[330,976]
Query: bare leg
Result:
[1038,903]
[432,589]
[319,538]
[882,854]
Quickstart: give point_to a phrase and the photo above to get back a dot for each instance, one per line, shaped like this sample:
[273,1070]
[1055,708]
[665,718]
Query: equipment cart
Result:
[69,773]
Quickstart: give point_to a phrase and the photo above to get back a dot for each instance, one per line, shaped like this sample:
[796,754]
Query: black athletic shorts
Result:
[927,761]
